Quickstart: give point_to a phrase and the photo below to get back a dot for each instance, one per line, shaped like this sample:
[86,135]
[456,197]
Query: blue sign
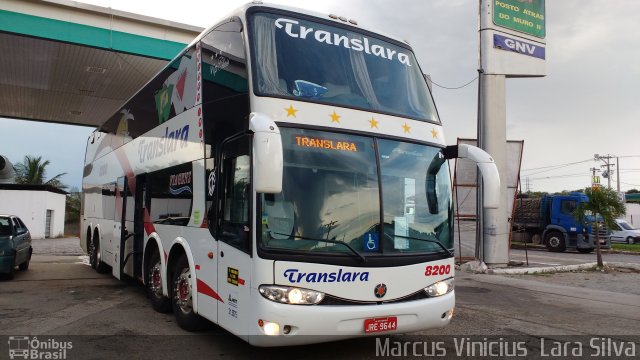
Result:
[370,242]
[518,46]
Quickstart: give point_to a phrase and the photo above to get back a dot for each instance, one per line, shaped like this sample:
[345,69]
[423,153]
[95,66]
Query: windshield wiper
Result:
[354,251]
[425,240]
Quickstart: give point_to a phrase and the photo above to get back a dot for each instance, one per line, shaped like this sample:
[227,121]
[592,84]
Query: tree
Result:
[603,205]
[33,170]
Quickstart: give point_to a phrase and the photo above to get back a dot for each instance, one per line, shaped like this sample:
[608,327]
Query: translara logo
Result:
[25,347]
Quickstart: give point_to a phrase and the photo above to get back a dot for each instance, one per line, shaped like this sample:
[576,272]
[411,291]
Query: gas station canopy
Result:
[73,63]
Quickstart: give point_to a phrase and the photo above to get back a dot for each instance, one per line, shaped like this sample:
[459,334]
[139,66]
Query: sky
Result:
[588,103]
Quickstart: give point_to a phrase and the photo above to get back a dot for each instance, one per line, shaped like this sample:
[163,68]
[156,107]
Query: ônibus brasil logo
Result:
[25,347]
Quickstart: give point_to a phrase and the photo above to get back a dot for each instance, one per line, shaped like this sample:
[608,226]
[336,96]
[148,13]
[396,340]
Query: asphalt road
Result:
[62,299]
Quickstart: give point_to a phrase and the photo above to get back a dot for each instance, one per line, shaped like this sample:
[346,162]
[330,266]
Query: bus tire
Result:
[182,297]
[159,302]
[95,257]
[555,241]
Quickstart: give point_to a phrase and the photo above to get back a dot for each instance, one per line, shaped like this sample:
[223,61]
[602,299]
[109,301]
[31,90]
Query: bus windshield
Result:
[332,192]
[312,61]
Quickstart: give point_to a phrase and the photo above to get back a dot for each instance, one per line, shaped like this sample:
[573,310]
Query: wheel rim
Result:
[554,241]
[183,291]
[155,280]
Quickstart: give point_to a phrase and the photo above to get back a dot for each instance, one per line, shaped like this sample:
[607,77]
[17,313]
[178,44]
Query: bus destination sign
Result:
[328,144]
[525,16]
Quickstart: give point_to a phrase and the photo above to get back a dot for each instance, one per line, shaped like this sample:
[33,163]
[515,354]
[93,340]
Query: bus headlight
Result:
[440,288]
[290,295]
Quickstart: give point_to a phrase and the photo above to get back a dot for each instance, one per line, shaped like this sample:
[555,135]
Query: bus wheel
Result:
[555,241]
[183,297]
[159,302]
[95,258]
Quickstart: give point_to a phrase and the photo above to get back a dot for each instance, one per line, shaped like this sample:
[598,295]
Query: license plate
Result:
[380,324]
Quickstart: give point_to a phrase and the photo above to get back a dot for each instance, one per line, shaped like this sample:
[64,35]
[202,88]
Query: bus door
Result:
[123,229]
[133,255]
[234,235]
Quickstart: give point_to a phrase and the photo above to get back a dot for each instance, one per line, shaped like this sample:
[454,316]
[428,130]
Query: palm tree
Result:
[32,170]
[603,205]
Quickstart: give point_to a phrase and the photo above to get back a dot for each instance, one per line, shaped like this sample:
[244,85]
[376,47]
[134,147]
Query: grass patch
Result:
[626,247]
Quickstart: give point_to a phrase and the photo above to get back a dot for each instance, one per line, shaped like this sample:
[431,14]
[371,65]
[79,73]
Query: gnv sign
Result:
[519,46]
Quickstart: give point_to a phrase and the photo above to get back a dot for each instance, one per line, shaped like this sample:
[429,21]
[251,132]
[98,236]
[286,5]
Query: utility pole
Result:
[606,159]
[618,173]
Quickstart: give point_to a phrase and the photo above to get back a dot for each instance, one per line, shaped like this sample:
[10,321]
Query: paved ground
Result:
[61,298]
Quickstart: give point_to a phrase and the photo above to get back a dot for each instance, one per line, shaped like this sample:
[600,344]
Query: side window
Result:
[108,201]
[224,82]
[5,226]
[21,223]
[567,207]
[171,192]
[235,211]
[16,224]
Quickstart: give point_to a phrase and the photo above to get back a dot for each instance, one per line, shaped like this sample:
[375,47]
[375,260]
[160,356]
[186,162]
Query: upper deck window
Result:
[312,61]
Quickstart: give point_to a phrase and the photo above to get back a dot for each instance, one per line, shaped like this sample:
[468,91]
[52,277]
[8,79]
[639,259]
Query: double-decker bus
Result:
[285,178]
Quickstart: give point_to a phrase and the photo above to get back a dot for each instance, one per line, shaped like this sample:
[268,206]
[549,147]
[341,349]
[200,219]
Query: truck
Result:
[551,219]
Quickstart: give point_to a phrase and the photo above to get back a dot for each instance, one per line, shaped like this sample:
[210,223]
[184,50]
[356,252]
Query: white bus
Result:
[284,177]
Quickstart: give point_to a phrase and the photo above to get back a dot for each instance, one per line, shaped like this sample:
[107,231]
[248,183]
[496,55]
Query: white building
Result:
[41,207]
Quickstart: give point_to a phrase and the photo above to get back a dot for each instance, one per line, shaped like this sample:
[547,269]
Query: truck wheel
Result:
[555,241]
[182,297]
[159,302]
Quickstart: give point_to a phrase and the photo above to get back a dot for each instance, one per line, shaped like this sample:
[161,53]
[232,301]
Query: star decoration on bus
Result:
[374,123]
[291,111]
[406,128]
[335,117]
[434,133]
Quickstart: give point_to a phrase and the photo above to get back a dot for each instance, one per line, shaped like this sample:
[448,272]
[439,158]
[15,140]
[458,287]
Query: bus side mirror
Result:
[488,171]
[267,154]
[486,165]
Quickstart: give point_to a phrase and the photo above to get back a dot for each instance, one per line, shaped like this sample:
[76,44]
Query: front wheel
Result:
[630,240]
[555,241]
[182,297]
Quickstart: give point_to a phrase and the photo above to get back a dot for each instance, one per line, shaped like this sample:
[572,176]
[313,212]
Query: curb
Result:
[537,247]
[563,268]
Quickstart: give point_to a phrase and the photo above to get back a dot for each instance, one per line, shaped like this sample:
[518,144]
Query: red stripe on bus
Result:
[240,281]
[205,289]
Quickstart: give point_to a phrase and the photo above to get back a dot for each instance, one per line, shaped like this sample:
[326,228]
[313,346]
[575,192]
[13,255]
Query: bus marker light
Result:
[210,255]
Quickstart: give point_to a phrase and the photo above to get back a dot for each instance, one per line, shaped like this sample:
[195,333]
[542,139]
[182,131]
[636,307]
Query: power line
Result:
[556,166]
[453,88]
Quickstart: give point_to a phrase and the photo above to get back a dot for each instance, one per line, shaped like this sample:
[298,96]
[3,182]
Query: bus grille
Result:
[333,300]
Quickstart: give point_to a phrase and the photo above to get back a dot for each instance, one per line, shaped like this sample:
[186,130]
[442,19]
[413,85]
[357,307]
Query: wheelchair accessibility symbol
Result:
[371,242]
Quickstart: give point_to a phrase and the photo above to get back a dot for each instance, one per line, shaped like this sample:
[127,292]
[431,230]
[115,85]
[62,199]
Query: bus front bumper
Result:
[317,323]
